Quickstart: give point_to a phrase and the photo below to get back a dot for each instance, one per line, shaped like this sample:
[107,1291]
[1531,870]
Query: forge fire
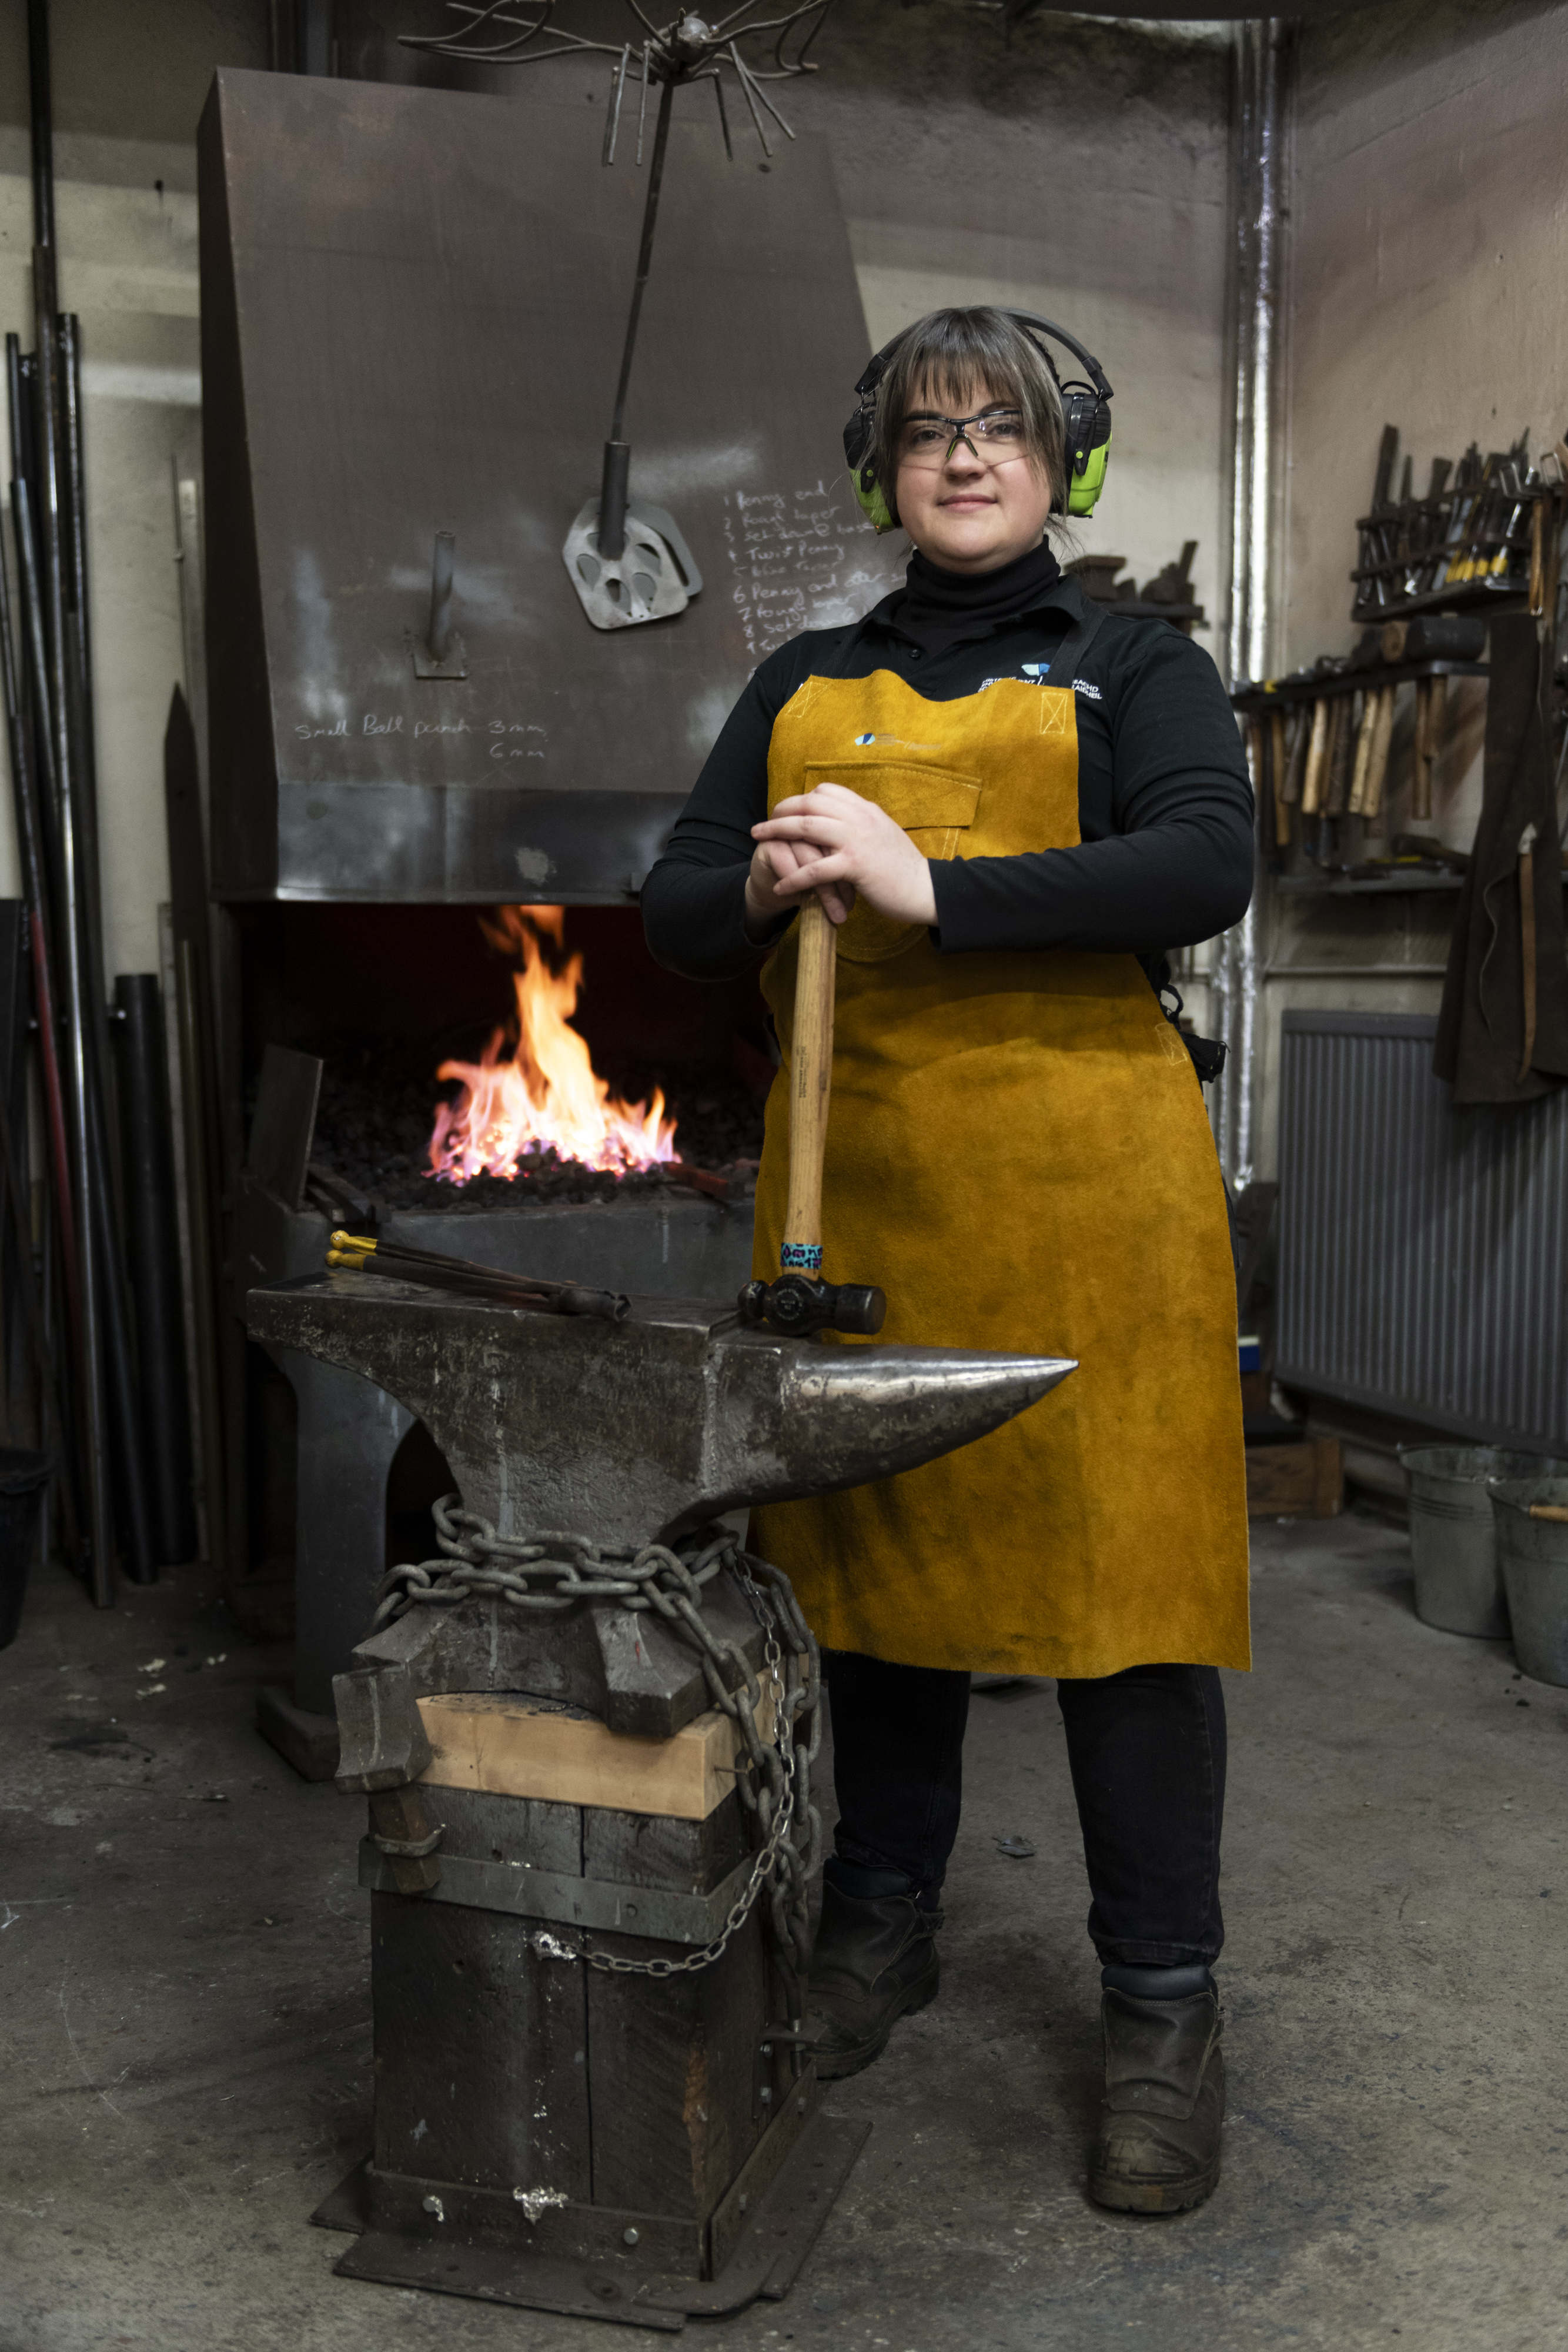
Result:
[536,1114]
[535,1089]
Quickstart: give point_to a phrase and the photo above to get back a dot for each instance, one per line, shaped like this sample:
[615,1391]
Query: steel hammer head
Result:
[797,1306]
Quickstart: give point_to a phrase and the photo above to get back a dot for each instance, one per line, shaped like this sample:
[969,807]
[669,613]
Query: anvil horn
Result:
[824,1417]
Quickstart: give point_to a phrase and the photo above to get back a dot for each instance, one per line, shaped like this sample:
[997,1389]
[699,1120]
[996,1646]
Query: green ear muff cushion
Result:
[1088,483]
[870,499]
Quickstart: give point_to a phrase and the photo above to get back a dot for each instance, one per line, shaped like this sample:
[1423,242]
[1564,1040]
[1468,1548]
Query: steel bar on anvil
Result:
[637,1431]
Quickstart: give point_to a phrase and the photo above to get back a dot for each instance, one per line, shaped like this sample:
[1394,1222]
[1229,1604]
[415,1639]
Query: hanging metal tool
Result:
[627,560]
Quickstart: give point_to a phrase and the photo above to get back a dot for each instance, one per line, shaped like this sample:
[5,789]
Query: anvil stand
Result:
[547,2135]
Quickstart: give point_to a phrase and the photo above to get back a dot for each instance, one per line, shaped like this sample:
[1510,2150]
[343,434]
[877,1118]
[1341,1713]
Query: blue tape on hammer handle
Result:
[800,1258]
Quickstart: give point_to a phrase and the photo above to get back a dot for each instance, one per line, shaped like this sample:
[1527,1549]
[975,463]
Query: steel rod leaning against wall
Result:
[50,732]
[147,1156]
[1264,58]
[82,1172]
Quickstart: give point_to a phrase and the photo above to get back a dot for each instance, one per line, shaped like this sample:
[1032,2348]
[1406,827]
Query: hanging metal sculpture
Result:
[627,560]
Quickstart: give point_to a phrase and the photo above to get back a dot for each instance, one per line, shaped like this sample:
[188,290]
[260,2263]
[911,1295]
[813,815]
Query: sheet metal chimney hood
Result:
[412,302]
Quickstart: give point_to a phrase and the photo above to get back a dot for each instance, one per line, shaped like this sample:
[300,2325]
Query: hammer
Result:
[800,1302]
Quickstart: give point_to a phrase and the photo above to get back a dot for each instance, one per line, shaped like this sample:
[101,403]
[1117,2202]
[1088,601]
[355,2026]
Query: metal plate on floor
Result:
[766,2261]
[579,2290]
[788,2220]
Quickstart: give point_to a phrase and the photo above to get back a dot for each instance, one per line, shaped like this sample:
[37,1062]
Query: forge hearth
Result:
[374,1116]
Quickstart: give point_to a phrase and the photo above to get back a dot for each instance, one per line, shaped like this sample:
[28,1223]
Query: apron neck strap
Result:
[1077,641]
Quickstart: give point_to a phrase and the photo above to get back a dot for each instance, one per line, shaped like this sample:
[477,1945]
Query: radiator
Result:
[1422,1249]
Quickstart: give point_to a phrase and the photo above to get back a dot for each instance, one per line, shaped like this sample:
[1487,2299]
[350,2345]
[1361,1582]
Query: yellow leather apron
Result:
[1018,1153]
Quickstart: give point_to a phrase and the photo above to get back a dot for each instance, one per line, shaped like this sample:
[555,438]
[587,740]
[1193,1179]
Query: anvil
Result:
[628,1432]
[549,2133]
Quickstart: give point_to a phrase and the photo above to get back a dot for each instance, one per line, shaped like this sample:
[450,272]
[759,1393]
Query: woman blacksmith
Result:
[1011,805]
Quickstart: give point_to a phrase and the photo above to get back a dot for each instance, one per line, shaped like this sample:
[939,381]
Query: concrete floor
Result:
[185,2044]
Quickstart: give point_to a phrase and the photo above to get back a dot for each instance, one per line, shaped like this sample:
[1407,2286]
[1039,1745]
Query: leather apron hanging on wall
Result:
[1018,1153]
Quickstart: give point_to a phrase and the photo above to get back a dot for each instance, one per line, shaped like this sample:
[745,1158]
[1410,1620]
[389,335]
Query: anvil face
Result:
[635,1431]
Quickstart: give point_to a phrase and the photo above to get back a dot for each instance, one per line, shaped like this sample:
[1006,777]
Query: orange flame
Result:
[534,1088]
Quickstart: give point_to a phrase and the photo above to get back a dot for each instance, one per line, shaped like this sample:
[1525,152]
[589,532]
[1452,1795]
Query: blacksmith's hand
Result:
[854,846]
[774,862]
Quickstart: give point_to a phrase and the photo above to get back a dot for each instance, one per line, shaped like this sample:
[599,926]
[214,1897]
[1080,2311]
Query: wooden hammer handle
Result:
[811,1059]
[1377,760]
[1549,1511]
[1317,755]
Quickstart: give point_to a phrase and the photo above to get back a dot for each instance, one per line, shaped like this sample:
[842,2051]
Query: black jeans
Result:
[1147,1753]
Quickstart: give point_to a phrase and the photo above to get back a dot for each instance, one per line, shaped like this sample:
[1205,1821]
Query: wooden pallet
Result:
[1305,1481]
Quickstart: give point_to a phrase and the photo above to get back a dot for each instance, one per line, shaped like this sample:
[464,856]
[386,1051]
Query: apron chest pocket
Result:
[933,805]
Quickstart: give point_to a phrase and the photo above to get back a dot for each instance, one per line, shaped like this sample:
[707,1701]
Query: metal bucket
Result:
[1453,1545]
[1533,1557]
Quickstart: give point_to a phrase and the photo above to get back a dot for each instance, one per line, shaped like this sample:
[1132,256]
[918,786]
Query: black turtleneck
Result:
[1165,805]
[937,610]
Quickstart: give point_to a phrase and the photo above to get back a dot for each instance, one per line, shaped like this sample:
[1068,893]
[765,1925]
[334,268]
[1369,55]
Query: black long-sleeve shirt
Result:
[1165,803]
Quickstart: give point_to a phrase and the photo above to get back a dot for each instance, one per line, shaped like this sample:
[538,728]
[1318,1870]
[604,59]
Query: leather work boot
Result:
[1158,2148]
[876,1961]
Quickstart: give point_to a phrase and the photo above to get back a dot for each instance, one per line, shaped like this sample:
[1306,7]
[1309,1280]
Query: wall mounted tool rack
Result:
[1330,762]
[1485,529]
[1314,686]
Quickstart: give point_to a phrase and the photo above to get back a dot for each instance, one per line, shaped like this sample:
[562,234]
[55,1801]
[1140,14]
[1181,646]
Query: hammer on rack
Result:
[800,1302]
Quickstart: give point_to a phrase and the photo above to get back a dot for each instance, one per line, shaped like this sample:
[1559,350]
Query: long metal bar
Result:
[148,1180]
[198,1207]
[1264,58]
[41,110]
[100,1511]
[617,457]
[79,621]
[645,254]
[35,884]
[106,1335]
[53,1420]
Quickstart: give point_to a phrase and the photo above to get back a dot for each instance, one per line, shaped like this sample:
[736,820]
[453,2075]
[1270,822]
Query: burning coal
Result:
[534,1088]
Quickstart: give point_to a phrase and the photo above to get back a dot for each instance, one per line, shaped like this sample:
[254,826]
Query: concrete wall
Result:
[1079,170]
[1430,244]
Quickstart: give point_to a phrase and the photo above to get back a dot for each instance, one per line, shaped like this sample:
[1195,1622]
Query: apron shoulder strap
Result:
[1077,641]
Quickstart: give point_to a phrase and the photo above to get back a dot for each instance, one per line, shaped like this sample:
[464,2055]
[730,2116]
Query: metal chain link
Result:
[777,1790]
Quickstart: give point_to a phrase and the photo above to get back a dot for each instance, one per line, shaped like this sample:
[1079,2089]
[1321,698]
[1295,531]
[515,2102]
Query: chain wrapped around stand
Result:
[550,1572]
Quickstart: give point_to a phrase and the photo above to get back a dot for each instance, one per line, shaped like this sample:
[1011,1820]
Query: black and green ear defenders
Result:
[1086,414]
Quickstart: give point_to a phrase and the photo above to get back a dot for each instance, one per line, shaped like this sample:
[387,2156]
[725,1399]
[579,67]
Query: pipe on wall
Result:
[1264,77]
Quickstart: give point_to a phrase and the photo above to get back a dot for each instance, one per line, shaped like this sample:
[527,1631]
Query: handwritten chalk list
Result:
[802,559]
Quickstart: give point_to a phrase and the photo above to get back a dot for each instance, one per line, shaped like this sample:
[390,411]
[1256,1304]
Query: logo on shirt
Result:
[863,740]
[1039,670]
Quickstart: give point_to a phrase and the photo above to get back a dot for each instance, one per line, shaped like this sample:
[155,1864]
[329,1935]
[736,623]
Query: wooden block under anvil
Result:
[508,1745]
